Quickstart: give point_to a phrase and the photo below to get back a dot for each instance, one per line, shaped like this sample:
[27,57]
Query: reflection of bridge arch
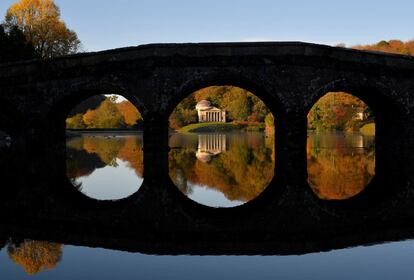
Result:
[210,145]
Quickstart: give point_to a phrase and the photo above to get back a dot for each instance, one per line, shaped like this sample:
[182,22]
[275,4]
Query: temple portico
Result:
[208,113]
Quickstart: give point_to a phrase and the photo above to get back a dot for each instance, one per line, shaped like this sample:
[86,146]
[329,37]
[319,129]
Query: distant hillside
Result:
[391,46]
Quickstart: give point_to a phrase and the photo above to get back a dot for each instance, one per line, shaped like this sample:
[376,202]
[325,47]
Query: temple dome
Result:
[203,105]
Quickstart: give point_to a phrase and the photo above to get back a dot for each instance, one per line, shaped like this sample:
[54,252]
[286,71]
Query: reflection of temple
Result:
[210,145]
[208,113]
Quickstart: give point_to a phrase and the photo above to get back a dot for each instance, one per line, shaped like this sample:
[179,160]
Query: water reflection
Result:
[372,262]
[210,145]
[340,165]
[221,170]
[105,166]
[35,256]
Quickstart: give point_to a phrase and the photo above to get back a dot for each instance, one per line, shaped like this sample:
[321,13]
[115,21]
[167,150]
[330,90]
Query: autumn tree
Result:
[130,113]
[40,22]
[104,111]
[270,123]
[106,115]
[338,111]
[391,46]
[239,104]
[75,122]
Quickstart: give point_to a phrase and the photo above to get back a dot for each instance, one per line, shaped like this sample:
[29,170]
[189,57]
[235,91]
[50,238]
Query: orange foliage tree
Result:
[35,256]
[129,112]
[391,46]
[337,111]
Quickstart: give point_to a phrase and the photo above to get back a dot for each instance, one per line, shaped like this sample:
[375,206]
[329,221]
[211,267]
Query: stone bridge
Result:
[36,97]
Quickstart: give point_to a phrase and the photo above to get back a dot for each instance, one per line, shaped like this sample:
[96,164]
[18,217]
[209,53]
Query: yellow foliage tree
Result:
[41,24]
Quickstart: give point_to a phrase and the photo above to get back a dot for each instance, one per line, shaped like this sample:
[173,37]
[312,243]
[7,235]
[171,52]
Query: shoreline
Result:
[103,132]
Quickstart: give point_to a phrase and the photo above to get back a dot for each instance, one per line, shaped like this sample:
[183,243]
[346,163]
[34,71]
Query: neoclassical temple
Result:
[208,113]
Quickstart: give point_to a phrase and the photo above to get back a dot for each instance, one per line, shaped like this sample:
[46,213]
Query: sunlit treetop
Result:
[41,24]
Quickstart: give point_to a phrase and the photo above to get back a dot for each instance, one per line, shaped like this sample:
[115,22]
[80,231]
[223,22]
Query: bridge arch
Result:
[227,78]
[389,115]
[74,95]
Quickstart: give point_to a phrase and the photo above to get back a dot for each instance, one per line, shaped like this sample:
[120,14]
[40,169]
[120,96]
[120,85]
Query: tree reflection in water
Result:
[35,256]
[237,165]
[340,165]
[88,154]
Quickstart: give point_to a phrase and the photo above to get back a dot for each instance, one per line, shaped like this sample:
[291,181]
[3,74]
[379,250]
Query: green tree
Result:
[238,105]
[40,22]
[184,113]
[13,45]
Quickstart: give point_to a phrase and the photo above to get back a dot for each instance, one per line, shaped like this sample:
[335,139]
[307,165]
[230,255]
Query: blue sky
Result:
[106,24]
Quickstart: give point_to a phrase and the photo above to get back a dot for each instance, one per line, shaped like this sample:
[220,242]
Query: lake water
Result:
[218,170]
[106,167]
[44,260]
[221,170]
[340,165]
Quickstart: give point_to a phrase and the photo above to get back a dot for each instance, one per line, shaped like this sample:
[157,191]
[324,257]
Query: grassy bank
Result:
[220,127]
